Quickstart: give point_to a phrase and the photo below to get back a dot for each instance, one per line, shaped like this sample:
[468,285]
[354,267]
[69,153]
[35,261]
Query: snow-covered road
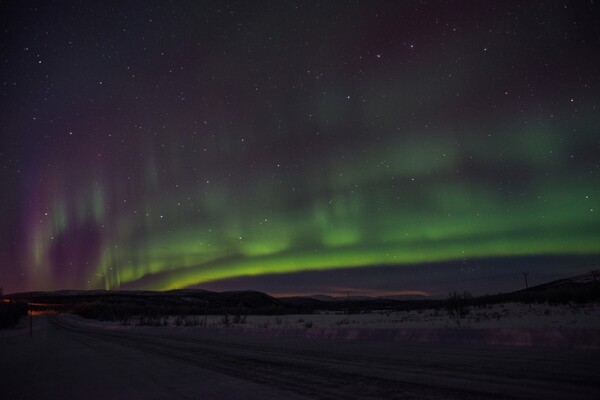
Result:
[67,360]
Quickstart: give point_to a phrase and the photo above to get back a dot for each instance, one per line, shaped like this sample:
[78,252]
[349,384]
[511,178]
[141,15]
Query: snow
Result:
[73,358]
[57,364]
[513,324]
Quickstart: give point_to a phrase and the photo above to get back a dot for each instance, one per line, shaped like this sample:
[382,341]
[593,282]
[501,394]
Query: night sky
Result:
[298,147]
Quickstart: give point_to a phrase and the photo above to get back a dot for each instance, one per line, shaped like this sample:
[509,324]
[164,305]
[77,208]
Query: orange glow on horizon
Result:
[343,292]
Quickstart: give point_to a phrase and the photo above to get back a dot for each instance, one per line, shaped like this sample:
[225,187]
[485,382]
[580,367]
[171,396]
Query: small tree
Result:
[226,321]
[459,305]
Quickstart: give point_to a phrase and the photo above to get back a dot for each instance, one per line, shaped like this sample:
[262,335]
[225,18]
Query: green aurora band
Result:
[404,203]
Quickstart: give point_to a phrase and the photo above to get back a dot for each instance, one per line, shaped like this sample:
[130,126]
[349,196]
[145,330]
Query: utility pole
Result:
[348,302]
[525,274]
[30,316]
[206,313]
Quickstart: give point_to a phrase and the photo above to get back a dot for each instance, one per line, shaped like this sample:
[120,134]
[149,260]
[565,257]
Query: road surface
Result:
[66,360]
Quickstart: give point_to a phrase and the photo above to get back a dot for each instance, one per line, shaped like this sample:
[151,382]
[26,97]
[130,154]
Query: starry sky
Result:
[297,147]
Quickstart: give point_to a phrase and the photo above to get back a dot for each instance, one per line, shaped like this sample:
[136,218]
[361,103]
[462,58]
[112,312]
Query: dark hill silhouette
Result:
[580,288]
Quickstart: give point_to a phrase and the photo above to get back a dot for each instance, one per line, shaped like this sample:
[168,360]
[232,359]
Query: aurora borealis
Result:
[162,145]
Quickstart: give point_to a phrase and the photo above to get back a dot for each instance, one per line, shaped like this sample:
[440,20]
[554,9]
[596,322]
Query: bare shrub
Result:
[190,321]
[458,305]
[226,321]
[239,319]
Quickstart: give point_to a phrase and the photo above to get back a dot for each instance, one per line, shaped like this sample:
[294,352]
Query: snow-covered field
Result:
[72,358]
[514,324]
[512,315]
[499,316]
